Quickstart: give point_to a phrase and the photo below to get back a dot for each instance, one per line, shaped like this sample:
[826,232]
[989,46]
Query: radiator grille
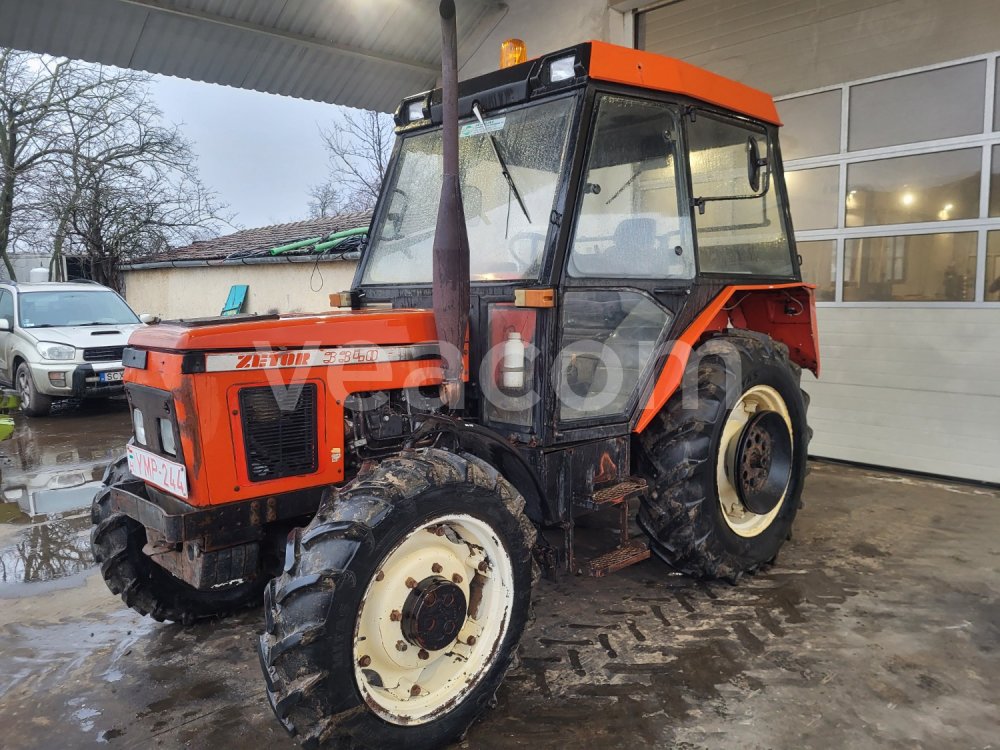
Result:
[103,353]
[279,431]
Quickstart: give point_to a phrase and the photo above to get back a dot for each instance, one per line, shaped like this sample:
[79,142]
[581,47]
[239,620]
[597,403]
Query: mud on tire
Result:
[316,606]
[682,513]
[117,541]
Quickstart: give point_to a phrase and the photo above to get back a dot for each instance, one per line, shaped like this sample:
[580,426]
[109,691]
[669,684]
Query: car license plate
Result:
[111,376]
[167,475]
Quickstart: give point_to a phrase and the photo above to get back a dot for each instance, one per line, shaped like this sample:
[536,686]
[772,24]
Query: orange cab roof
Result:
[632,67]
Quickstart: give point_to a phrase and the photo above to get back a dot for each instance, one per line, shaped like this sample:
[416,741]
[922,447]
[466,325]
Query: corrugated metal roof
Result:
[359,53]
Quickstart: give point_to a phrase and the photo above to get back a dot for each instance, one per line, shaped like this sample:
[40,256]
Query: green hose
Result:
[322,243]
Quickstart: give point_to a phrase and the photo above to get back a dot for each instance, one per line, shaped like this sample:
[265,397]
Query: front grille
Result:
[279,431]
[103,354]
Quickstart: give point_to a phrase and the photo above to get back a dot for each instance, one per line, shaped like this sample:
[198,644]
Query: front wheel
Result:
[401,605]
[33,403]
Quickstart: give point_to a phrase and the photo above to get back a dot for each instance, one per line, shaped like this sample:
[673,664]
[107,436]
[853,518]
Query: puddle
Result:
[55,464]
[44,552]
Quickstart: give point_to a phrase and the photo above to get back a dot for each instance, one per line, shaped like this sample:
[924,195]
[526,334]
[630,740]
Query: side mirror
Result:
[5,325]
[758,175]
[149,319]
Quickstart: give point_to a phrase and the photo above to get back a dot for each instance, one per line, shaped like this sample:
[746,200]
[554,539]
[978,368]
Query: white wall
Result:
[912,388]
[784,47]
[202,291]
[548,25]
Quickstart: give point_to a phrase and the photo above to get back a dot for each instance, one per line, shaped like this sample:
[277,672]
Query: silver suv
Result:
[62,340]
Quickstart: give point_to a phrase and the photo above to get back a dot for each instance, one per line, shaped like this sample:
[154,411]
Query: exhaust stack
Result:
[451,241]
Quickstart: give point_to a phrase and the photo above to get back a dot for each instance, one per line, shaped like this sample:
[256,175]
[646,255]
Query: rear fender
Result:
[785,312]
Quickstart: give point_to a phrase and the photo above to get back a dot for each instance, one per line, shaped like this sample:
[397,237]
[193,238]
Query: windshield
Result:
[56,309]
[505,242]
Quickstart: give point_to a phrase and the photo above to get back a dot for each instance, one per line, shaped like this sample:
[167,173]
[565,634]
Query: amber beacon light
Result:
[512,52]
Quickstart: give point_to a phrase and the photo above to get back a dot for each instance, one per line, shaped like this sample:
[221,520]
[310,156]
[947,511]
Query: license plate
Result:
[167,475]
[112,376]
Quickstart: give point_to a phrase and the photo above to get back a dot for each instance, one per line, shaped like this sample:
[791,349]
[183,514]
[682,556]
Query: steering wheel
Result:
[535,242]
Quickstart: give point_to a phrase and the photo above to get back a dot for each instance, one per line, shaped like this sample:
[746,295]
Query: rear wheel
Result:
[728,462]
[401,605]
[33,403]
[117,542]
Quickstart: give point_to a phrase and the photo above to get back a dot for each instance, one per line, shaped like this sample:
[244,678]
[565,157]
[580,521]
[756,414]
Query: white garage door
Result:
[895,190]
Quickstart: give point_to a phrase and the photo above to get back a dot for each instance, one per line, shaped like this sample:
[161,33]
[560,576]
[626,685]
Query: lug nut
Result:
[484,566]
[400,645]
[421,654]
[415,690]
[379,576]
[436,568]
[471,641]
[364,661]
[456,578]
[395,615]
[410,583]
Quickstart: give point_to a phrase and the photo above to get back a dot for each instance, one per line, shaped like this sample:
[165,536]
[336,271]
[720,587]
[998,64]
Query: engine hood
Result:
[271,332]
[84,337]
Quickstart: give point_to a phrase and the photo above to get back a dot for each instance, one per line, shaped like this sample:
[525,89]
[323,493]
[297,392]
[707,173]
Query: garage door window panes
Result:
[813,195]
[914,268]
[941,103]
[926,187]
[993,267]
[812,125]
[819,267]
[995,183]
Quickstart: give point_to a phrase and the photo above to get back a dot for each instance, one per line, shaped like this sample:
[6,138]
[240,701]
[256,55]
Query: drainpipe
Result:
[451,241]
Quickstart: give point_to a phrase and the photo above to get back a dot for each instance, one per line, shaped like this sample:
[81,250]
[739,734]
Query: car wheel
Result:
[33,403]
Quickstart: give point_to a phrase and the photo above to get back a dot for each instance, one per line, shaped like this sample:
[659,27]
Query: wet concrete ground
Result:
[878,628]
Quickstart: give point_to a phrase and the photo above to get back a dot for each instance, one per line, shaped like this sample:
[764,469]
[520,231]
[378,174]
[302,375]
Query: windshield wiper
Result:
[503,165]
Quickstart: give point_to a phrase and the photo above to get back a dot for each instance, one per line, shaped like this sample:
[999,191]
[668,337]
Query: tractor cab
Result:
[608,195]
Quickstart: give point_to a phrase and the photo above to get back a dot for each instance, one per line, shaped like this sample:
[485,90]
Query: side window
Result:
[629,224]
[738,223]
[608,339]
[7,307]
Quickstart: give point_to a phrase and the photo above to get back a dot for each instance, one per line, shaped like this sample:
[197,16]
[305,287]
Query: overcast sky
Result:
[260,152]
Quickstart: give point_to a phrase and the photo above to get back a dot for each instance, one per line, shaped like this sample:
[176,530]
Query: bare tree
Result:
[359,151]
[129,186]
[34,92]
[326,200]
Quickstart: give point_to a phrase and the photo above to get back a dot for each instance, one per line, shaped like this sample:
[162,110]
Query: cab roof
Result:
[594,61]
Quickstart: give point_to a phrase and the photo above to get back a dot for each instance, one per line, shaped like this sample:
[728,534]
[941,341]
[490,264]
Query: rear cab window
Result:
[739,228]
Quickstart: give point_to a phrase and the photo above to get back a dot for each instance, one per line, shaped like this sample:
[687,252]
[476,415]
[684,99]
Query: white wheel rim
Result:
[741,520]
[417,685]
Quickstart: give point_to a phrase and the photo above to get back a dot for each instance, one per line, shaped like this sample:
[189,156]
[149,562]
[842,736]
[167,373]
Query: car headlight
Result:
[52,350]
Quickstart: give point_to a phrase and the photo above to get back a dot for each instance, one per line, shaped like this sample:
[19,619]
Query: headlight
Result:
[52,350]
[415,111]
[562,69]
[167,441]
[139,427]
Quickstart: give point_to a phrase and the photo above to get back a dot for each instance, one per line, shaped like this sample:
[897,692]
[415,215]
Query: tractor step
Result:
[617,494]
[630,553]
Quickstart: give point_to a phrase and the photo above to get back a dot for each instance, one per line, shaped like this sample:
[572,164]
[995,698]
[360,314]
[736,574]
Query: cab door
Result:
[631,249]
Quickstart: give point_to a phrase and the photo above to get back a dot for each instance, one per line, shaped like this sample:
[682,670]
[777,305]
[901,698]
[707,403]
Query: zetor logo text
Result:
[271,359]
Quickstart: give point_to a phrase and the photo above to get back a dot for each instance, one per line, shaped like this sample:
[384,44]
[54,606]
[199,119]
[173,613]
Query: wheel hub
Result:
[434,613]
[762,464]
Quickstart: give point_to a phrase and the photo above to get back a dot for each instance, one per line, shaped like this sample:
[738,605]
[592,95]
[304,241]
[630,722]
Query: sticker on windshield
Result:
[474,128]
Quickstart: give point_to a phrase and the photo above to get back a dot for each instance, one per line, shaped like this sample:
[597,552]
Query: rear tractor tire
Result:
[401,605]
[727,463]
[117,540]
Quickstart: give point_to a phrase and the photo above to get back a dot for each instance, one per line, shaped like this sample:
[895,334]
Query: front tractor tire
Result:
[401,604]
[727,462]
[117,542]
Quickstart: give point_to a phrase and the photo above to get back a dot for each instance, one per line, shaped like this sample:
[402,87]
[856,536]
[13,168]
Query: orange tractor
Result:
[580,289]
